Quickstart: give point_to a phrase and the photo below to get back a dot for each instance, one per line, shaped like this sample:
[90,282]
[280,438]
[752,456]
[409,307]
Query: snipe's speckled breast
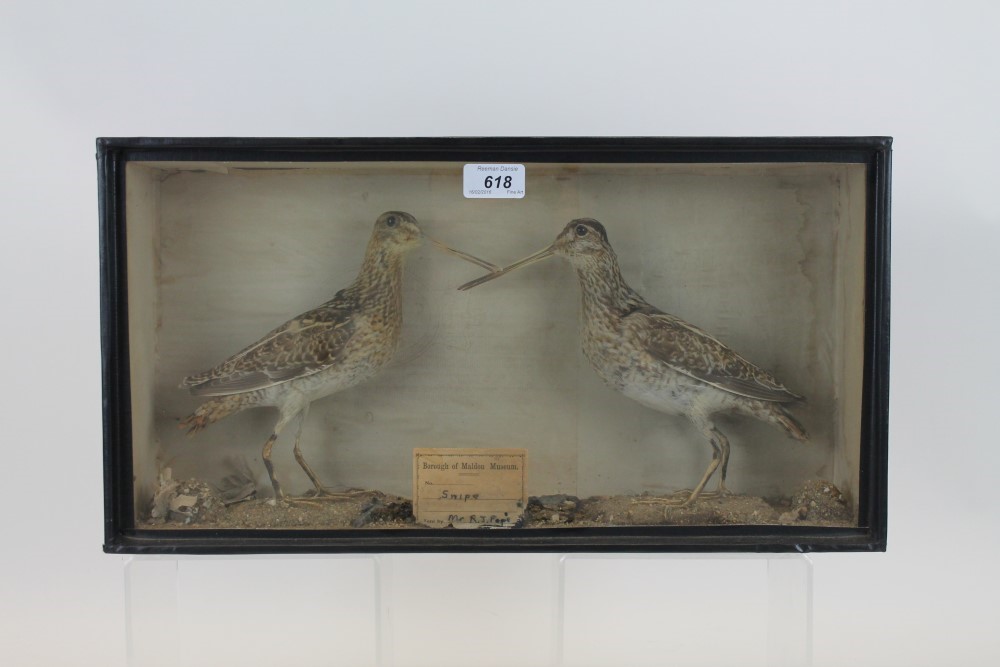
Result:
[617,351]
[377,324]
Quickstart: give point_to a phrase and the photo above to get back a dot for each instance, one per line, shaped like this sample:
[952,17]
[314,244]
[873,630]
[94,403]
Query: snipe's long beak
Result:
[531,259]
[464,255]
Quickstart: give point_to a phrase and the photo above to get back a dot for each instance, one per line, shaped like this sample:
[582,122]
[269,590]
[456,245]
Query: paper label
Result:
[469,488]
[493,181]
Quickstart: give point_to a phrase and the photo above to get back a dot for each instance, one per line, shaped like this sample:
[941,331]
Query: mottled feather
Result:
[687,349]
[658,359]
[307,344]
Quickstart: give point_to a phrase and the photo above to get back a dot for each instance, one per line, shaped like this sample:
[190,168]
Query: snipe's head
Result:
[582,241]
[397,231]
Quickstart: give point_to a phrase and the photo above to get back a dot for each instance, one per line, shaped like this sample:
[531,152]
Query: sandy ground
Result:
[195,504]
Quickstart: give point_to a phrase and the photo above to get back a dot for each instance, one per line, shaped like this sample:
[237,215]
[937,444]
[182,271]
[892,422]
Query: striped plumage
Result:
[658,359]
[333,347]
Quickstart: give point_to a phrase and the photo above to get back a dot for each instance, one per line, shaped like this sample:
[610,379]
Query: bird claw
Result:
[321,494]
[663,500]
[682,498]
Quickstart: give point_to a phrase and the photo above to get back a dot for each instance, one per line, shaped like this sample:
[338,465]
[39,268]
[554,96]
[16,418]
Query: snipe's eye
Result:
[581,230]
[390,221]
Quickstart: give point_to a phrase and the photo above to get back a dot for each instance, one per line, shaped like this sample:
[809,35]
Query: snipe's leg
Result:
[712,466]
[724,445]
[321,492]
[266,455]
[720,457]
[298,452]
[286,415]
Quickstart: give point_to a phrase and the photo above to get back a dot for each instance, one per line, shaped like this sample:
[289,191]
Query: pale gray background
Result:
[923,72]
[770,258]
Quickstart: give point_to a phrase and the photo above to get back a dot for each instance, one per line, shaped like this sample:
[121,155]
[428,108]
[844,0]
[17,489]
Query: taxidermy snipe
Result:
[657,359]
[338,345]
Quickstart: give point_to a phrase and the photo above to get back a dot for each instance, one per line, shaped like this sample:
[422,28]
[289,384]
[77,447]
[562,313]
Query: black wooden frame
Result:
[121,535]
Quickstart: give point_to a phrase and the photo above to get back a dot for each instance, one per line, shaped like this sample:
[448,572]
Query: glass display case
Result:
[334,344]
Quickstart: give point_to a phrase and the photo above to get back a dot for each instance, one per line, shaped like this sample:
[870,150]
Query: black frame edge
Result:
[120,535]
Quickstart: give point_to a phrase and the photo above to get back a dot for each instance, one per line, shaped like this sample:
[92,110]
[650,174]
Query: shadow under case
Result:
[769,253]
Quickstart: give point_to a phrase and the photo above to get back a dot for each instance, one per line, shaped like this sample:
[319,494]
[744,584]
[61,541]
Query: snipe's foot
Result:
[684,497]
[321,493]
[681,498]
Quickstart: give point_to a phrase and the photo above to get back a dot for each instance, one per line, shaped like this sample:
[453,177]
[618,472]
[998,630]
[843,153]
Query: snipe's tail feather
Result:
[213,410]
[789,423]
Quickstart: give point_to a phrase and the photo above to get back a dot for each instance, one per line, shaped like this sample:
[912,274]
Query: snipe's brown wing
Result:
[300,347]
[693,352]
